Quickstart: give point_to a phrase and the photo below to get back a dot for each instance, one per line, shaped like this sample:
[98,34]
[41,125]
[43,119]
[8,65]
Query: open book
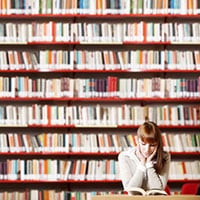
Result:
[140,191]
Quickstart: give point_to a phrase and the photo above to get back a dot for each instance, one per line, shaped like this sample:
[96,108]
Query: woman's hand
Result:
[140,156]
[152,155]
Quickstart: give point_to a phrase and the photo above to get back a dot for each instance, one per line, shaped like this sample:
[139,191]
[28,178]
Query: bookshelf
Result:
[75,83]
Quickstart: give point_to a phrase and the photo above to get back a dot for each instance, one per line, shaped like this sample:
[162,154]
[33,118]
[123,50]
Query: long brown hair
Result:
[149,132]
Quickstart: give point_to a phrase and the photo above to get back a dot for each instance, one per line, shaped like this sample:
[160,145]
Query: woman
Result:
[147,165]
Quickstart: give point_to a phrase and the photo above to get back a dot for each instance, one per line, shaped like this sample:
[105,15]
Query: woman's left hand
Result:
[152,155]
[140,156]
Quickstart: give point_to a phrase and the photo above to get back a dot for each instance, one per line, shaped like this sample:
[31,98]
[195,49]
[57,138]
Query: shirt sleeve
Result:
[131,174]
[158,181]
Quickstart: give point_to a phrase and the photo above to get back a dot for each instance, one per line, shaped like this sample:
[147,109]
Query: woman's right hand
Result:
[152,155]
[140,156]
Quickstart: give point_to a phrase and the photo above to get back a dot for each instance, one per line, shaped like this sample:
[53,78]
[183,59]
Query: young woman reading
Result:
[145,166]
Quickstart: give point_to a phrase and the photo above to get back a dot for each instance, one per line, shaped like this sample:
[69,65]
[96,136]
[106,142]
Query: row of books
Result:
[51,169]
[111,86]
[100,7]
[88,32]
[91,143]
[184,170]
[44,194]
[185,142]
[132,60]
[98,115]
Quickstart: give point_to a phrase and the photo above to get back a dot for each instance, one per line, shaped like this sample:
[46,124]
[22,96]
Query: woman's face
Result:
[147,148]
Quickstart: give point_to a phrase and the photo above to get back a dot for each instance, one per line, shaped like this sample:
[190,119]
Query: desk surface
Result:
[136,197]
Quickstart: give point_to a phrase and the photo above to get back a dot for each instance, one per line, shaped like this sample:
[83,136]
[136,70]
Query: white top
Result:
[134,174]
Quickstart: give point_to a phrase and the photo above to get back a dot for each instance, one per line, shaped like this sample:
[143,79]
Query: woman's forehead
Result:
[150,140]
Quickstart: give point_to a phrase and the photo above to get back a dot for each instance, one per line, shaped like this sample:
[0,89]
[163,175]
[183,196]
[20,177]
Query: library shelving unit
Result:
[75,85]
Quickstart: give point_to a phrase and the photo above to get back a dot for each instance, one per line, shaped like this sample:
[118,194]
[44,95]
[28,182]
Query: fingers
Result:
[152,155]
